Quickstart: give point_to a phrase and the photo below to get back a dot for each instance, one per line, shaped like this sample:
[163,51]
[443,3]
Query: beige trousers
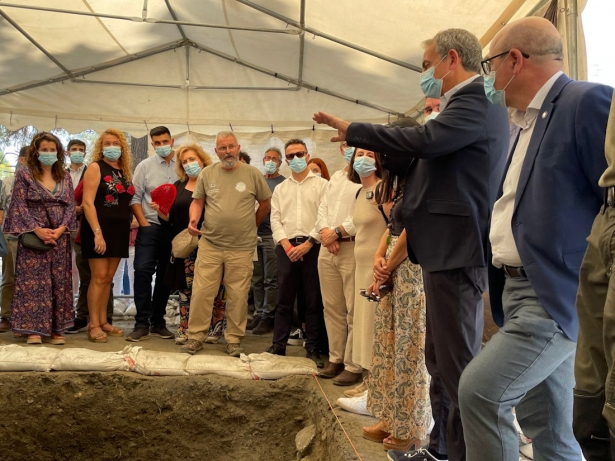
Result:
[211,267]
[336,273]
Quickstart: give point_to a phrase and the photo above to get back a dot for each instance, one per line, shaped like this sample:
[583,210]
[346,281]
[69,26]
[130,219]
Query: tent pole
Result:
[174,16]
[149,20]
[301,44]
[331,38]
[144,12]
[34,42]
[572,18]
[147,85]
[89,70]
[294,81]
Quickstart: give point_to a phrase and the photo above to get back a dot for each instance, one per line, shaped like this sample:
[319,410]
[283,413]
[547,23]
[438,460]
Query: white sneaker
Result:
[356,405]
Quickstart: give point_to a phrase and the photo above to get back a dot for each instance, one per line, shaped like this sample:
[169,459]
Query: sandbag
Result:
[18,358]
[270,366]
[218,365]
[155,363]
[79,359]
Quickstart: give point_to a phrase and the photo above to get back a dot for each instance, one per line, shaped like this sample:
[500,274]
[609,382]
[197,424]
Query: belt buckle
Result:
[610,196]
[505,267]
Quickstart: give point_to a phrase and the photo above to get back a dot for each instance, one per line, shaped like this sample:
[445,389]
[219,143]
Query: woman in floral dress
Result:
[105,233]
[43,203]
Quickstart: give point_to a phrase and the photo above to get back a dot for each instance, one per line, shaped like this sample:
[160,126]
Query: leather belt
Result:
[346,239]
[298,240]
[514,272]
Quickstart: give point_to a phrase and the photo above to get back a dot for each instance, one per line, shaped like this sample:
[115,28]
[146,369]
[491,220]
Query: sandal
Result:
[34,339]
[391,443]
[57,340]
[376,433]
[114,330]
[99,338]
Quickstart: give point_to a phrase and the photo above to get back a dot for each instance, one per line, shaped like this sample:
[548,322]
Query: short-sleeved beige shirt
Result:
[230,222]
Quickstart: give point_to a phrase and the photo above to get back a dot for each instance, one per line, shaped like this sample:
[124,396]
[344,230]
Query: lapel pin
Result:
[544,115]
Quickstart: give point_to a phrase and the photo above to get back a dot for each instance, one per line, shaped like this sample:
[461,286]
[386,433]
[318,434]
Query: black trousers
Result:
[290,276]
[454,307]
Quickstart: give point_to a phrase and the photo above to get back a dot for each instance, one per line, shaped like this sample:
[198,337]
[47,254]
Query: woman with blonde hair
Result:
[191,159]
[42,204]
[107,191]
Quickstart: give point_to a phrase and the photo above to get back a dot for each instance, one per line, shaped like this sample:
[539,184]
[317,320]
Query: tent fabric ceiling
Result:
[162,87]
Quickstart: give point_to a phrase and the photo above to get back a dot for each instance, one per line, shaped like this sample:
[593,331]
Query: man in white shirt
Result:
[336,269]
[539,226]
[76,152]
[294,211]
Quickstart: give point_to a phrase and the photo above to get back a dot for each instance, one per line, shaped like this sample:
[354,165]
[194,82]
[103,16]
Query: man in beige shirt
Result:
[227,190]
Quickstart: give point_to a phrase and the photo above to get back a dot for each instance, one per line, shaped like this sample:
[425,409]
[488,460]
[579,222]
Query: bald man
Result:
[544,212]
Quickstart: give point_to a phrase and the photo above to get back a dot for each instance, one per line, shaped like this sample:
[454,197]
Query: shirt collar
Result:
[309,175]
[525,119]
[162,160]
[449,94]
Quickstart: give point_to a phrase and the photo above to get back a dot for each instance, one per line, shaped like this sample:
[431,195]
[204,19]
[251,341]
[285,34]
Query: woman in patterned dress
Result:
[399,383]
[105,233]
[43,203]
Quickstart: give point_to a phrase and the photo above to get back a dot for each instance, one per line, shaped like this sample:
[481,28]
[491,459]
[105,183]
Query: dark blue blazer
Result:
[453,167]
[558,197]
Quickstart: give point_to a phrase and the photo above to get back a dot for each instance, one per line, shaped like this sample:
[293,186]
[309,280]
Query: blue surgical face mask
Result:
[47,158]
[496,97]
[364,166]
[297,165]
[77,157]
[192,169]
[270,167]
[348,152]
[432,87]
[112,153]
[163,151]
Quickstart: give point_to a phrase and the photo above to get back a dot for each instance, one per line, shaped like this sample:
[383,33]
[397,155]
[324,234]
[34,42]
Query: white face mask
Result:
[317,174]
[431,116]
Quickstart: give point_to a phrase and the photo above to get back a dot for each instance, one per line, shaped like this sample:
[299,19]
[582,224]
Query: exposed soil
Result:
[123,416]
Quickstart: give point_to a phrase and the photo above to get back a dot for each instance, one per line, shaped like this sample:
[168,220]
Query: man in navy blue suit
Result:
[453,166]
[547,202]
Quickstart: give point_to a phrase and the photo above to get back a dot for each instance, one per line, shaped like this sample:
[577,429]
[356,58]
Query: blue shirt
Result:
[151,173]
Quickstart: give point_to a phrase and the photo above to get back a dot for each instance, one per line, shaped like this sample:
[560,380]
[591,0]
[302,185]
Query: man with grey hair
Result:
[227,191]
[453,165]
[547,201]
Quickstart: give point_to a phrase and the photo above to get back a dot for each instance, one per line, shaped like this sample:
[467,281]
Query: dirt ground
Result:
[114,416]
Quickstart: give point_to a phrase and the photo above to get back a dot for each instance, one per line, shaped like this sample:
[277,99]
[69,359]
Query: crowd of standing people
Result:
[386,260]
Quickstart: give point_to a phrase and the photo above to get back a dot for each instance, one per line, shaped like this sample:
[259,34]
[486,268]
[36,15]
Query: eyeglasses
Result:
[226,149]
[486,63]
[296,154]
[273,159]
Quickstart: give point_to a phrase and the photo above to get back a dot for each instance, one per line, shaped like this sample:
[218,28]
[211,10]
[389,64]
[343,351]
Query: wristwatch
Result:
[312,240]
[338,231]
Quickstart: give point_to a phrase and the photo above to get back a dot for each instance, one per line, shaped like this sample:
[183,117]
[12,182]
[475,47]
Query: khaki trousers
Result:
[8,277]
[211,264]
[337,273]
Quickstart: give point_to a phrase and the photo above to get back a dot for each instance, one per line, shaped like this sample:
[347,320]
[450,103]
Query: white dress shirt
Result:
[75,175]
[337,206]
[149,174]
[294,207]
[449,94]
[501,236]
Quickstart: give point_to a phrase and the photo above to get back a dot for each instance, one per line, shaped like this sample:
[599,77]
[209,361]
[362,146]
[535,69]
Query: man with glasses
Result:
[265,276]
[227,192]
[294,211]
[453,166]
[547,201]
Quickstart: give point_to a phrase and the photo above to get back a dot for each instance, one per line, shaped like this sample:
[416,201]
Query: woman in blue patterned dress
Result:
[43,202]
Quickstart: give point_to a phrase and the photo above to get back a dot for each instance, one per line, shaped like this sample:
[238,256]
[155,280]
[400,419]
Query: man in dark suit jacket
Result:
[546,205]
[452,165]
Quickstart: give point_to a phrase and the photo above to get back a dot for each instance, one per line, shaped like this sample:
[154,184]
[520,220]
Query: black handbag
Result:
[32,241]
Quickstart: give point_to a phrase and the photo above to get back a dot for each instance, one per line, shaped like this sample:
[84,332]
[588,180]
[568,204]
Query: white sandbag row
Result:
[152,363]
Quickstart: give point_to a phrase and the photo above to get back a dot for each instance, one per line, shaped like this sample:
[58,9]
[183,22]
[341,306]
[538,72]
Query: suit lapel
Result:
[541,124]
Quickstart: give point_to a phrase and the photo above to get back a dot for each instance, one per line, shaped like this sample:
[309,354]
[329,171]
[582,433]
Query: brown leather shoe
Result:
[4,325]
[347,378]
[331,370]
[251,325]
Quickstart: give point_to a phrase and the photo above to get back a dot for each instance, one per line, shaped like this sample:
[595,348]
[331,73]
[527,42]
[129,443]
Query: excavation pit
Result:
[124,416]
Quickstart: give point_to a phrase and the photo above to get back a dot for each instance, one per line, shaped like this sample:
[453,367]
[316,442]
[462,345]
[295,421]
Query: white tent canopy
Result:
[201,66]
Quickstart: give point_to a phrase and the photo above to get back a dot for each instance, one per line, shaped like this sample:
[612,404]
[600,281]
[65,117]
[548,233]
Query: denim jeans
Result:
[528,366]
[265,279]
[152,252]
